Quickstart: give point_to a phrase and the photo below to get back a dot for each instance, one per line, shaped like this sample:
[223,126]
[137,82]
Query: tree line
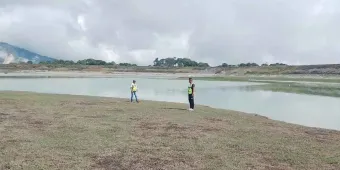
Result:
[157,62]
[252,65]
[90,61]
[178,62]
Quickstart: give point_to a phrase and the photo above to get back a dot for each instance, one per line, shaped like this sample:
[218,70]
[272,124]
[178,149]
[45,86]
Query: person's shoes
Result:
[191,109]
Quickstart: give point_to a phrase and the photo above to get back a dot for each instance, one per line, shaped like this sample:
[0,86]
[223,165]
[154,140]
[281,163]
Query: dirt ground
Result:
[44,131]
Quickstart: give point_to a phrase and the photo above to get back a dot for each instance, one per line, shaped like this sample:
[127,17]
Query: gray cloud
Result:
[232,31]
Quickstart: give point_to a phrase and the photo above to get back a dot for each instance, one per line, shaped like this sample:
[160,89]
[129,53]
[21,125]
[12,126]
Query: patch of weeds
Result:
[335,160]
[111,161]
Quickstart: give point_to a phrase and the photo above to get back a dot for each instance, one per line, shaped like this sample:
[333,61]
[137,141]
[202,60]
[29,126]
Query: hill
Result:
[12,57]
[13,54]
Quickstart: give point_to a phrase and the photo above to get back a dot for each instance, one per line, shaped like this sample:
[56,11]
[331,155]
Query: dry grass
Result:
[41,131]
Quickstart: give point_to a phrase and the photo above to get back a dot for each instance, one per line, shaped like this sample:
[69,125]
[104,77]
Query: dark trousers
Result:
[133,93]
[191,101]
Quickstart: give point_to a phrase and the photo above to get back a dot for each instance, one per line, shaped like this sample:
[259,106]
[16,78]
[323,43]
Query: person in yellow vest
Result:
[133,89]
[191,93]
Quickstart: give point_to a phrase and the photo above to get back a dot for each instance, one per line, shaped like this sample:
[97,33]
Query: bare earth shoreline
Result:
[80,74]
[45,131]
[101,74]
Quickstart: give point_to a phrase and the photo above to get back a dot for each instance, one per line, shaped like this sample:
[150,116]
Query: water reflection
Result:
[307,110]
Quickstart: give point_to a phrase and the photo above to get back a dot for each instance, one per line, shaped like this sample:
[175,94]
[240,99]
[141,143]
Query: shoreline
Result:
[150,101]
[241,113]
[250,87]
[155,101]
[84,132]
[297,84]
[196,75]
[89,74]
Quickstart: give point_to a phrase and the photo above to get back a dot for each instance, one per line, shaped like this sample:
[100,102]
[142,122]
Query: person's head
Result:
[190,80]
[134,81]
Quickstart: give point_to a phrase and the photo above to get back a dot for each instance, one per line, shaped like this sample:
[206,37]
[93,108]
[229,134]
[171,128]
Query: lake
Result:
[308,110]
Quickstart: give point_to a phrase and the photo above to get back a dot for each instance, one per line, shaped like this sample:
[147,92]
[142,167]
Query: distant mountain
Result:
[13,54]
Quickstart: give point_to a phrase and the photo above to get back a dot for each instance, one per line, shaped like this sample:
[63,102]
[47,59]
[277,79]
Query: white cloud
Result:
[304,31]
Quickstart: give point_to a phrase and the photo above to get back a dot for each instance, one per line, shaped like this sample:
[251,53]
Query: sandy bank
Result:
[78,74]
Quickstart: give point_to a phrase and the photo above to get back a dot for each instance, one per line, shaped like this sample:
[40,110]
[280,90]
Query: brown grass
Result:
[41,131]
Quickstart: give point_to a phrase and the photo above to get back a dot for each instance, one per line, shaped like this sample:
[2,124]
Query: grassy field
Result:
[44,131]
[298,88]
[268,79]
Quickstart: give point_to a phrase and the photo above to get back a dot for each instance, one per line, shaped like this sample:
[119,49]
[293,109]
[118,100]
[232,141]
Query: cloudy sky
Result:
[215,31]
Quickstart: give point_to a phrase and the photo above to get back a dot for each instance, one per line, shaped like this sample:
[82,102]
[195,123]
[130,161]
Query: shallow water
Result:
[309,110]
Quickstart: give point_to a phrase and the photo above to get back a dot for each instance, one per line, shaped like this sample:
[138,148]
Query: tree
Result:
[170,62]
[45,62]
[186,62]
[91,61]
[111,63]
[178,62]
[156,62]
[242,65]
[278,64]
[201,64]
[63,62]
[248,65]
[224,65]
[127,64]
[29,62]
[165,62]
[159,62]
[253,64]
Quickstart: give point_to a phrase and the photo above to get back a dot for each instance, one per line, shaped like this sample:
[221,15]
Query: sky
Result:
[138,31]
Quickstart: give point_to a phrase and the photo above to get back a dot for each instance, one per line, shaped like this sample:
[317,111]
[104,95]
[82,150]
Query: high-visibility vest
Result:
[134,87]
[190,89]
